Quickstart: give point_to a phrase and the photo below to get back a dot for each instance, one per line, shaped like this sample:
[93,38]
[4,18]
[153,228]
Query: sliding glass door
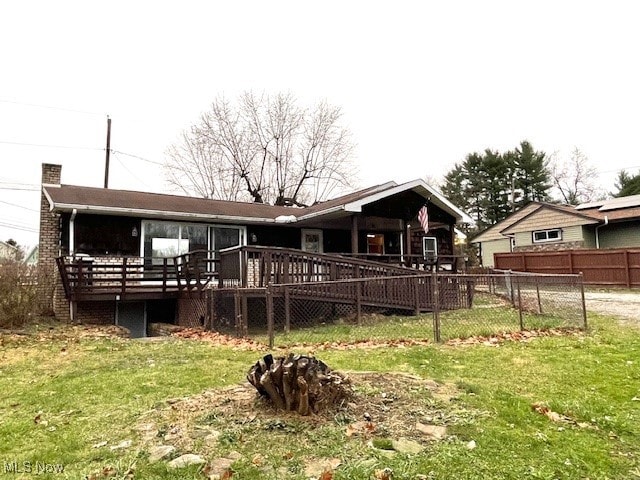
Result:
[169,239]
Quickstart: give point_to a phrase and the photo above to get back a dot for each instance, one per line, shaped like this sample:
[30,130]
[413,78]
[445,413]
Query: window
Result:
[375,243]
[167,239]
[429,247]
[312,240]
[541,236]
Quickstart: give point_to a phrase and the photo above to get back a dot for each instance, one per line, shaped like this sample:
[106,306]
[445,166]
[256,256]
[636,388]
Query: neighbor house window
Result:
[554,235]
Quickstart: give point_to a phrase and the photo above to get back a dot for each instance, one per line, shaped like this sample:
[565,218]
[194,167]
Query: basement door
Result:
[132,315]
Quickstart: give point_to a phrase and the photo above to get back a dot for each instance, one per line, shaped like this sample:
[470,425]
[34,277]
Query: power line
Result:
[138,157]
[49,107]
[9,182]
[25,144]
[19,206]
[17,227]
[21,189]
[127,169]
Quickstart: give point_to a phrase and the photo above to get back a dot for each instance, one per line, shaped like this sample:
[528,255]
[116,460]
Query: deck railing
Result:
[94,277]
[438,263]
[87,277]
[257,267]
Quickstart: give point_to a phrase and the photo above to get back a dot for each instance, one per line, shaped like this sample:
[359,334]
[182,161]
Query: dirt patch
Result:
[382,405]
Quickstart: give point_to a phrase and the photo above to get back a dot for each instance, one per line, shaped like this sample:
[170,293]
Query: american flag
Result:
[423,218]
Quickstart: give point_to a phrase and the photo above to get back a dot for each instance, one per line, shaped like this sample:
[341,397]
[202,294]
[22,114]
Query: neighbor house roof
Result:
[70,198]
[549,214]
[614,209]
[537,214]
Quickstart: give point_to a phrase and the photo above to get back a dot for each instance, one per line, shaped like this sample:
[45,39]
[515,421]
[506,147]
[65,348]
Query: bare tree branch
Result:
[264,149]
[574,179]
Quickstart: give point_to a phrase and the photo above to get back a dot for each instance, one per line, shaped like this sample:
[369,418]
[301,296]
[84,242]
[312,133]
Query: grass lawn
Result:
[72,400]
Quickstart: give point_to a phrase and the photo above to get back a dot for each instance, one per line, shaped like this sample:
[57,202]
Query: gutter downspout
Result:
[606,222]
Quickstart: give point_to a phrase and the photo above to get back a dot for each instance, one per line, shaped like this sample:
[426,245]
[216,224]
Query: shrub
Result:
[18,293]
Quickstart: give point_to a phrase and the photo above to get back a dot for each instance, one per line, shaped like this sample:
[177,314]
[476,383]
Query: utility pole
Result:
[106,165]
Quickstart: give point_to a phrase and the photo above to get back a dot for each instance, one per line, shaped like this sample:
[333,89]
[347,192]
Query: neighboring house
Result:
[31,257]
[146,228]
[540,226]
[8,251]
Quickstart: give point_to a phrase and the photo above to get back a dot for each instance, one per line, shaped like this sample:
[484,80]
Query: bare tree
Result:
[574,179]
[265,149]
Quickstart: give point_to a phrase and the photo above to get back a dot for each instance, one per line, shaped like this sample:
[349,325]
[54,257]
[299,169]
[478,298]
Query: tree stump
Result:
[298,383]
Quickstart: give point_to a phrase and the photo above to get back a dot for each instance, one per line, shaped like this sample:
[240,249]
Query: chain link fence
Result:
[435,307]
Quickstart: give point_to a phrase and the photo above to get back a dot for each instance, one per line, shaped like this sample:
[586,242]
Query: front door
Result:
[312,240]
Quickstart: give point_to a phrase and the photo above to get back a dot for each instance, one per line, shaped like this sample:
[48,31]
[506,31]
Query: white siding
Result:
[495,246]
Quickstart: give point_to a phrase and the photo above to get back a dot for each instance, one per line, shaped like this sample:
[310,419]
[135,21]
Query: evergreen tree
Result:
[490,185]
[627,184]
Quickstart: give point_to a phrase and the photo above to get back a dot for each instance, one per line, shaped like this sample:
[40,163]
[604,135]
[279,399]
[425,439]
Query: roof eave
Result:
[147,213]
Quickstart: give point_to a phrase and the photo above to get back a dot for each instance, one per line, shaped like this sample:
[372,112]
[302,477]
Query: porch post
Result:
[354,233]
[408,228]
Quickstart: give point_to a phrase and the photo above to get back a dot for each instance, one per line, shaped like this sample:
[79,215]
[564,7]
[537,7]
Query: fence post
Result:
[519,303]
[237,310]
[416,295]
[358,285]
[436,306]
[270,322]
[584,303]
[627,268]
[509,285]
[538,293]
[287,310]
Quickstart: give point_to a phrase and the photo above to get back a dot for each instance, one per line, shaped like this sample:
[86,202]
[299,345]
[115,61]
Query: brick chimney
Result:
[49,239]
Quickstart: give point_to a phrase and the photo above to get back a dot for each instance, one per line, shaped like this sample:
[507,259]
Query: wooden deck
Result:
[257,272]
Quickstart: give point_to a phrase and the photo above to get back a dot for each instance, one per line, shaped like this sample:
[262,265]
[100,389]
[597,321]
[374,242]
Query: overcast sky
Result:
[421,84]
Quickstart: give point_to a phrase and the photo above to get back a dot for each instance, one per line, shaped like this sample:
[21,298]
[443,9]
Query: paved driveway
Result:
[625,304]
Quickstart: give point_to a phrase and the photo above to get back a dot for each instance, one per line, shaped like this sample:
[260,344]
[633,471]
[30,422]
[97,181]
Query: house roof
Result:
[611,210]
[494,231]
[615,209]
[549,215]
[69,198]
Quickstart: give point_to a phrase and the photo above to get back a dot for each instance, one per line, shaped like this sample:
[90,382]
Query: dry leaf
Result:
[360,428]
[326,475]
[384,474]
[542,409]
[227,474]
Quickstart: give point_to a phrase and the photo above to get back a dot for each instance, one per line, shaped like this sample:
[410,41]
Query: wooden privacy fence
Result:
[620,267]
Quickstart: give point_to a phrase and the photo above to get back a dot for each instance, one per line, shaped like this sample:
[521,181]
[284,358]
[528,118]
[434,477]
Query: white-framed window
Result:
[429,247]
[553,235]
[163,239]
[312,240]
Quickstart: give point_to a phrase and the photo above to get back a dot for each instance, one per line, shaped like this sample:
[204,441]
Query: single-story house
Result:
[540,226]
[146,228]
